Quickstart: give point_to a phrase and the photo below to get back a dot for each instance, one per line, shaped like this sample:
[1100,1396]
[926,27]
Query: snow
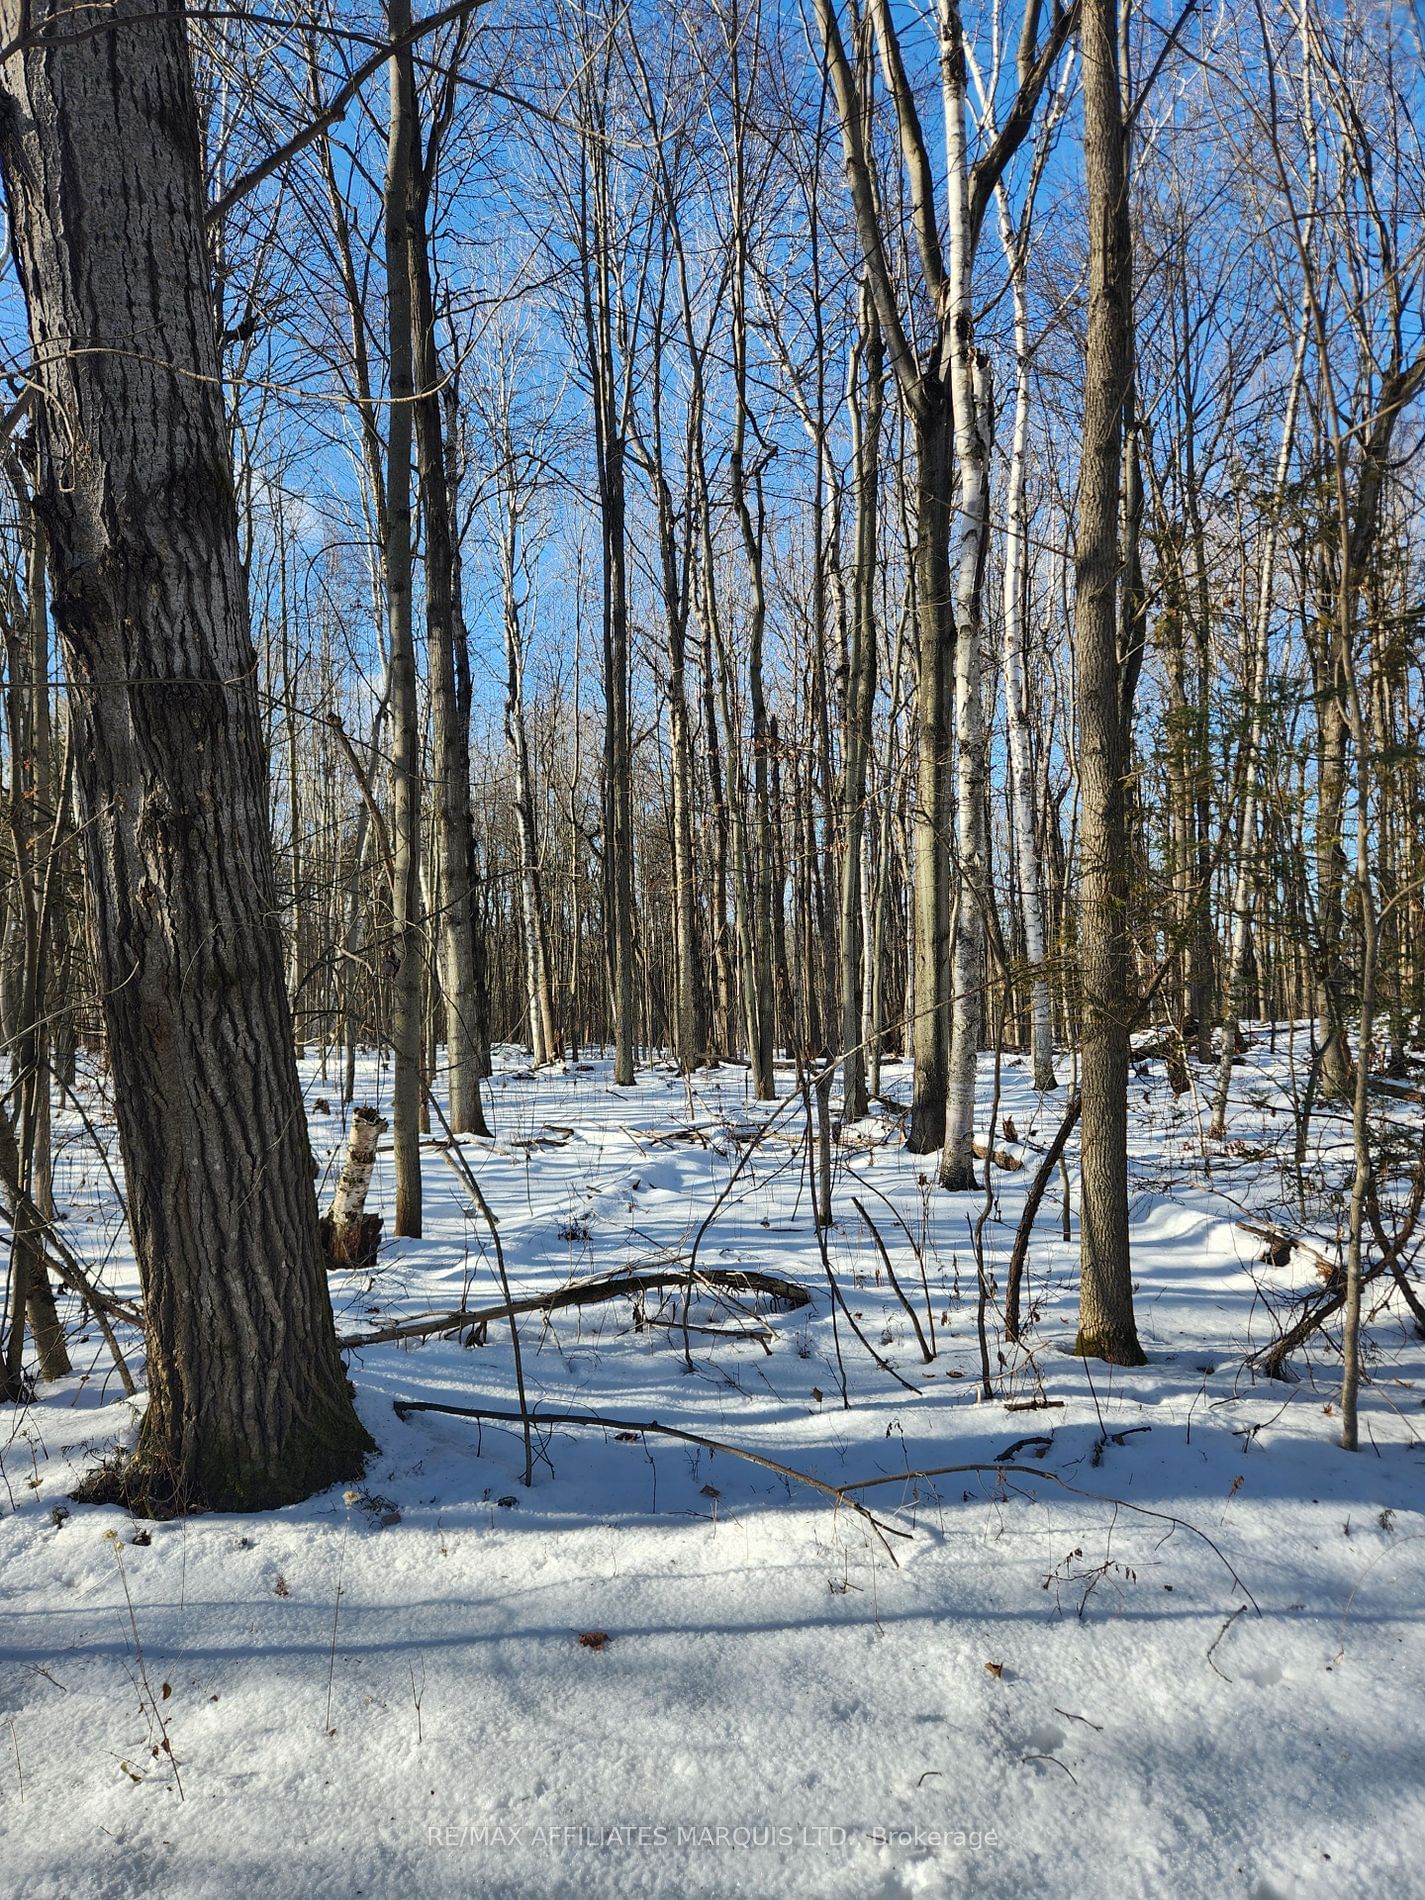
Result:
[1191,1666]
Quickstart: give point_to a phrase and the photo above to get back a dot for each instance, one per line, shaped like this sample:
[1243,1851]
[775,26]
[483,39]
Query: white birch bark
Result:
[970,396]
[1016,685]
[354,1181]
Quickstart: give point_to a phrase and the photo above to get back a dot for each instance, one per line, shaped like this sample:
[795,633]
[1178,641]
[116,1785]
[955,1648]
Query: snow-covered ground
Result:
[1176,1650]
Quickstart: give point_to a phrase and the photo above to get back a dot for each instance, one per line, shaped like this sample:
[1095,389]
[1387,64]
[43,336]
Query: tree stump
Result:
[350,1235]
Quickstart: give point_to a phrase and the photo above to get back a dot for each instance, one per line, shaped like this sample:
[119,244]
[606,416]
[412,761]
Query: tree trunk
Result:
[1245,876]
[32,817]
[248,1401]
[1017,691]
[1106,1323]
[930,1024]
[973,408]
[689,1031]
[353,1235]
[543,1035]
[1337,1072]
[600,254]
[860,703]
[444,626]
[407,1094]
[760,997]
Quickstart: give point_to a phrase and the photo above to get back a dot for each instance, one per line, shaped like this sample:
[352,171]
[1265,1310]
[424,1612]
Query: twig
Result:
[1218,1638]
[926,1351]
[602,1421]
[1050,1477]
[839,1298]
[915,1248]
[1020,1250]
[155,1706]
[1057,1763]
[455,1159]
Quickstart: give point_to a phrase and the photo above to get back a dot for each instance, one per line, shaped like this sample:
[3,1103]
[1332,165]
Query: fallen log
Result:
[1272,1359]
[549,1135]
[1170,1050]
[588,1293]
[1320,1307]
[1280,1245]
[1001,1157]
[1399,1091]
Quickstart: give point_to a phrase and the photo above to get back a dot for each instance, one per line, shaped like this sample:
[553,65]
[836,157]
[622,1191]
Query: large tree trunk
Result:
[248,1402]
[1106,1323]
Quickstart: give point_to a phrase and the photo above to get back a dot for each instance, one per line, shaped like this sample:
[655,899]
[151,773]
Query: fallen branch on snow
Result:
[839,1493]
[588,1293]
[597,1420]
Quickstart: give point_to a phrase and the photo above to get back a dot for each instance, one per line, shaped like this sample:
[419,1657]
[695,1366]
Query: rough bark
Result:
[248,1403]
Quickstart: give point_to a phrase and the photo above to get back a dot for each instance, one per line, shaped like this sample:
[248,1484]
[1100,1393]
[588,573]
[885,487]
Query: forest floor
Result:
[1176,1649]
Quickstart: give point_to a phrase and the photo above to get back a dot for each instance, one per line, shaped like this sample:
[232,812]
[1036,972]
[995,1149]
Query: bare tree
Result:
[248,1402]
[1106,1324]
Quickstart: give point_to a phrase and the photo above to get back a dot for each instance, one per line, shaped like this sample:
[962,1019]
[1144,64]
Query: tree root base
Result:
[148,1483]
[1113,1352]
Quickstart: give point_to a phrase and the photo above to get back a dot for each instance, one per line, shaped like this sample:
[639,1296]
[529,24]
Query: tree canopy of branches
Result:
[790,537]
